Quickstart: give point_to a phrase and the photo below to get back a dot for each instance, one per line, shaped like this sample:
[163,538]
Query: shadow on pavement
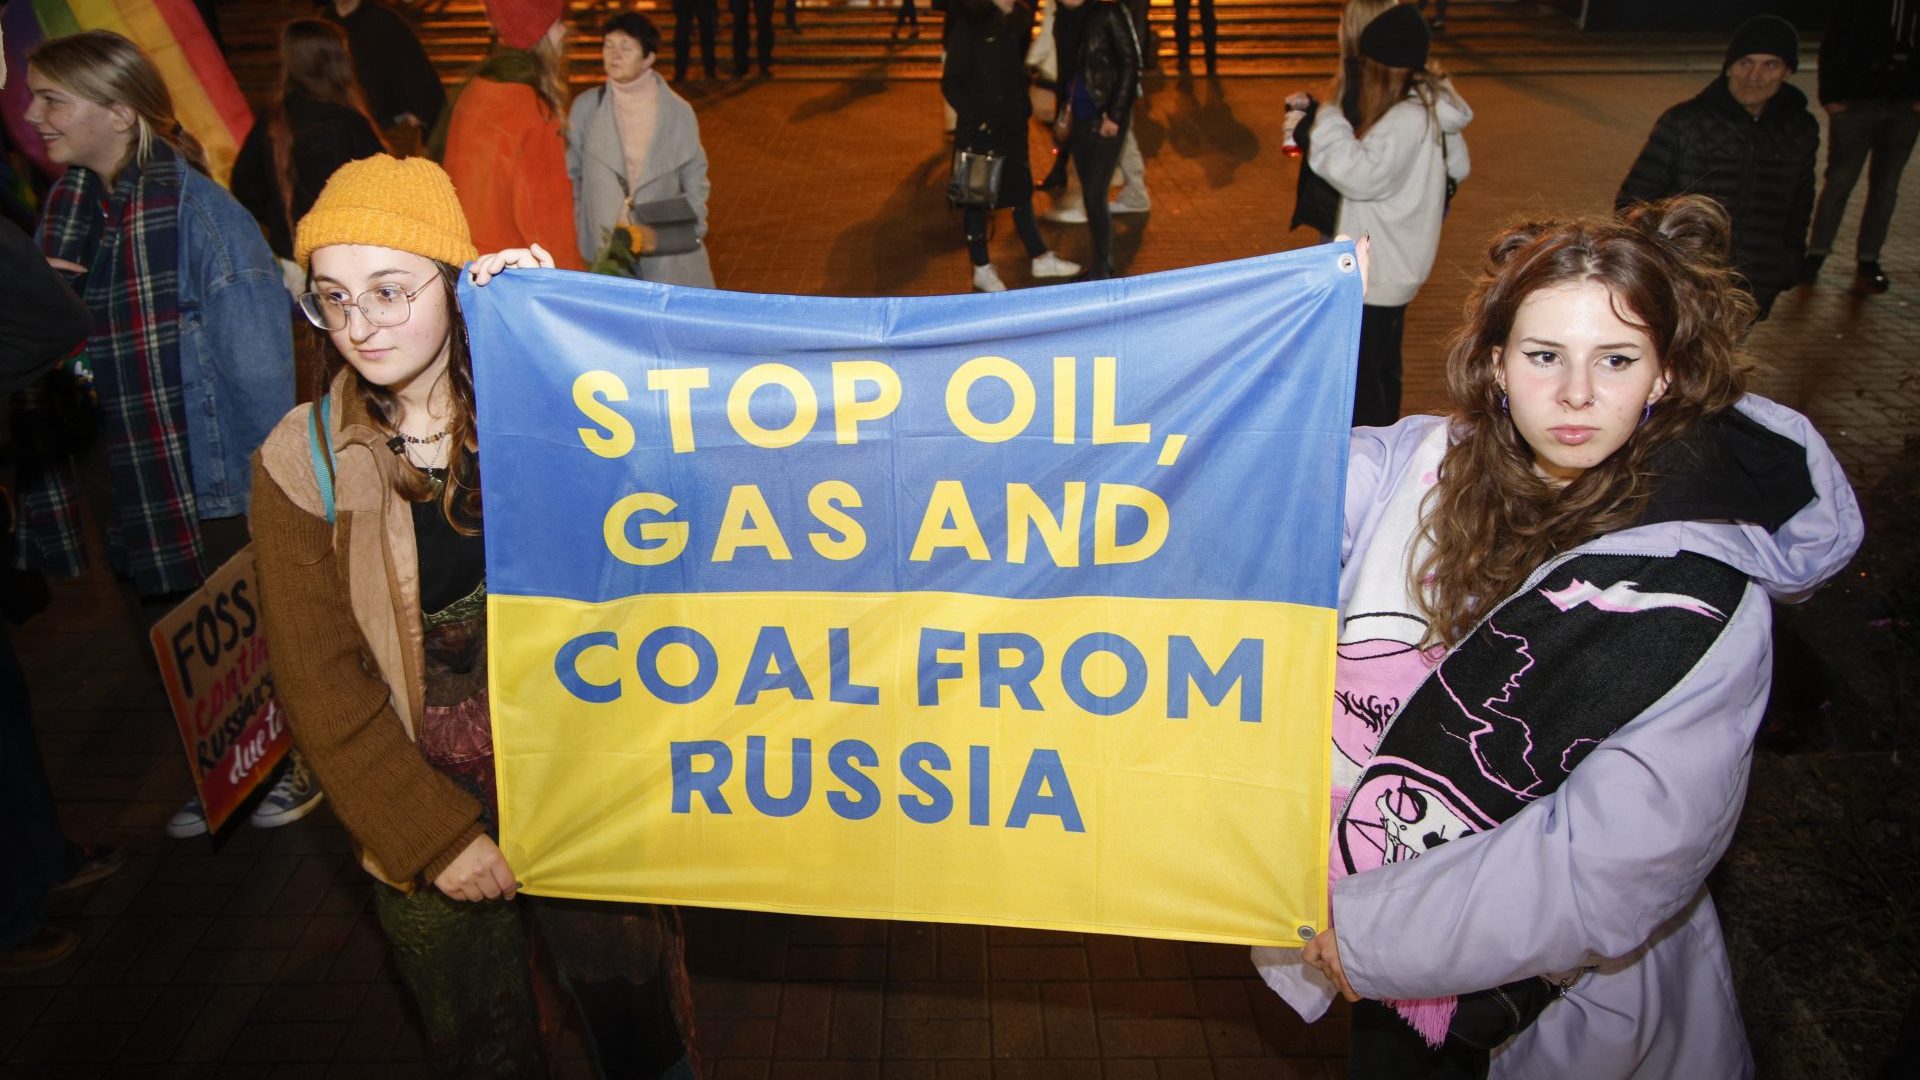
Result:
[1204,129]
[873,257]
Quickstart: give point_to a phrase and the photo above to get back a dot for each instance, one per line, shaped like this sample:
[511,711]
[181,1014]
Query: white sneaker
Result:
[1132,199]
[294,796]
[987,279]
[1068,215]
[1051,265]
[189,820]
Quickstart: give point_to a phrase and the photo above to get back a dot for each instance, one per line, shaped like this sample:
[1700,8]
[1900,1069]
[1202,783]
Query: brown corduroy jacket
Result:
[341,608]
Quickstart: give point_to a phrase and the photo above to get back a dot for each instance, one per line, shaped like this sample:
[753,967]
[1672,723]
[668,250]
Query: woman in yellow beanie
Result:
[367,534]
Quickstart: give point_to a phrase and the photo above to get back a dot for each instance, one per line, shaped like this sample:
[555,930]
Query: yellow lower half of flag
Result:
[1112,765]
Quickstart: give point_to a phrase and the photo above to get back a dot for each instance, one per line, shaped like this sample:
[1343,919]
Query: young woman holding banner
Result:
[367,533]
[1555,652]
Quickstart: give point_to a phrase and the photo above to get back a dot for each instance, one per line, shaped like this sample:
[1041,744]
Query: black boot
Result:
[1874,279]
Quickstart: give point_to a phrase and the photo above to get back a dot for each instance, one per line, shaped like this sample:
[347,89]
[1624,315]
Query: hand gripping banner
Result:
[1012,609]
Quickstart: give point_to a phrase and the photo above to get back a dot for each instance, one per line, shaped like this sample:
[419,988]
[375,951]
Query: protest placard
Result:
[213,660]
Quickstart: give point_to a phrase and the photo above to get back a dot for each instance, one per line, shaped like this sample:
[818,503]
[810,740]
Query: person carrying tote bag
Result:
[986,83]
[639,172]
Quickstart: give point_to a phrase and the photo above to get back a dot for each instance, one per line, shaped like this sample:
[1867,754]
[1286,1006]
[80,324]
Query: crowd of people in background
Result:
[1594,352]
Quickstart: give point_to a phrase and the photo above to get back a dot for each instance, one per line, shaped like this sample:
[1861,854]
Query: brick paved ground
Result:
[261,958]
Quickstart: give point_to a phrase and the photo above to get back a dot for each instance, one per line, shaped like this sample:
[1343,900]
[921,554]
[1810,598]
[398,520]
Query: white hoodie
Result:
[1391,185]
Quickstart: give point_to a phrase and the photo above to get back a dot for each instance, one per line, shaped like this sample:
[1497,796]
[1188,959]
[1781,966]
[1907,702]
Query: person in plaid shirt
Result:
[190,354]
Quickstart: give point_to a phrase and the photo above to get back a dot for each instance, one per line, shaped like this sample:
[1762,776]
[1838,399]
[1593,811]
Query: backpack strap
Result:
[320,444]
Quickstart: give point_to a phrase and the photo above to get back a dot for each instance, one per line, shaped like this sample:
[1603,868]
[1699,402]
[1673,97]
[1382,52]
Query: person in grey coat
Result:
[1555,649]
[632,141]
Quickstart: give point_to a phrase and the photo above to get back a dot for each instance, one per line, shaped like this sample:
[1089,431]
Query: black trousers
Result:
[1884,131]
[763,33]
[1016,194]
[685,14]
[1095,156]
[1383,1046]
[624,966]
[1209,32]
[1376,390]
[35,855]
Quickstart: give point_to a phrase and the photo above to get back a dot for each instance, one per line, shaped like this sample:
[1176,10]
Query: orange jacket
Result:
[508,160]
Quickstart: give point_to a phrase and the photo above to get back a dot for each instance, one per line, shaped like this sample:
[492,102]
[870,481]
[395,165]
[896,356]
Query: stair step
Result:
[842,40]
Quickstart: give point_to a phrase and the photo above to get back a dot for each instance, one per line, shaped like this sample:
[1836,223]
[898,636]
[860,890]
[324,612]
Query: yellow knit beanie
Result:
[382,201]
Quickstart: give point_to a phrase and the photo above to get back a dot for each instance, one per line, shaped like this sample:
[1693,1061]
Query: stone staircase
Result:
[853,39]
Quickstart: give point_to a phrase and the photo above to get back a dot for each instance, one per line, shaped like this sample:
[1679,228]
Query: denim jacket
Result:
[236,344]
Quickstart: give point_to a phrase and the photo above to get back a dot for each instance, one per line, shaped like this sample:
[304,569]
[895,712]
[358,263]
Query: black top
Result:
[451,565]
[1069,36]
[1729,468]
[393,69]
[41,320]
[325,137]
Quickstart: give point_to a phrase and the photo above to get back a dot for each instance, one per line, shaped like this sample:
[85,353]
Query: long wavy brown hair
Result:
[460,500]
[1491,519]
[314,63]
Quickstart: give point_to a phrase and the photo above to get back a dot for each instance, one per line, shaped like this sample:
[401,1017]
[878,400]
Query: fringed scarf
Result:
[129,240]
[1514,709]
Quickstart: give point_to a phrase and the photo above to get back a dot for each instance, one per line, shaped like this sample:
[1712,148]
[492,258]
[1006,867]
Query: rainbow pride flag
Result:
[205,96]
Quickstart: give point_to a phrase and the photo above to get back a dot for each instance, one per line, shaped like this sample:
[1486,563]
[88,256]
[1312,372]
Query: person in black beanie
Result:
[1870,88]
[1748,142]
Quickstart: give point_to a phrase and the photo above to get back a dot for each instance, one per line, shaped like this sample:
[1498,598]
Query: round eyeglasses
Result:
[386,305]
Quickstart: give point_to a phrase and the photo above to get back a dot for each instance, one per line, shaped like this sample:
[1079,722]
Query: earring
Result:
[1647,415]
[1503,402]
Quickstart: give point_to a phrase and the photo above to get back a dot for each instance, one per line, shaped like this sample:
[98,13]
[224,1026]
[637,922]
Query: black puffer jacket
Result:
[986,76]
[1110,60]
[1759,167]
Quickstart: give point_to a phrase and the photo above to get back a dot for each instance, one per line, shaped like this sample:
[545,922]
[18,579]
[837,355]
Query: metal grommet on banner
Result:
[1347,263]
[1306,933]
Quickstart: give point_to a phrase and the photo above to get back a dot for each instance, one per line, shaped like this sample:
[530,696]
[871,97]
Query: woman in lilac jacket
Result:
[1529,793]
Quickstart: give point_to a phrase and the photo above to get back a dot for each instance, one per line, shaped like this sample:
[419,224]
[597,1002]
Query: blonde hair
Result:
[553,89]
[108,70]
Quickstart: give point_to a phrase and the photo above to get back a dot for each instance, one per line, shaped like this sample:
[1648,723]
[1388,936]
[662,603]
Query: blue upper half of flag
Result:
[1251,362]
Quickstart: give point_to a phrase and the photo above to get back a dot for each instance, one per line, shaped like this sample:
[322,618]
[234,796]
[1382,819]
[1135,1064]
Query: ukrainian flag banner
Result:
[1012,609]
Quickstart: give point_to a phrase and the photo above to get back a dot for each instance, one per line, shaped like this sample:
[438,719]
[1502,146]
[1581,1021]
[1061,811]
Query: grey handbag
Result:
[667,226]
[975,184]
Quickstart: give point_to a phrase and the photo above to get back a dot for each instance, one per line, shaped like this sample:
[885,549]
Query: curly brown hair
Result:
[1491,520]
